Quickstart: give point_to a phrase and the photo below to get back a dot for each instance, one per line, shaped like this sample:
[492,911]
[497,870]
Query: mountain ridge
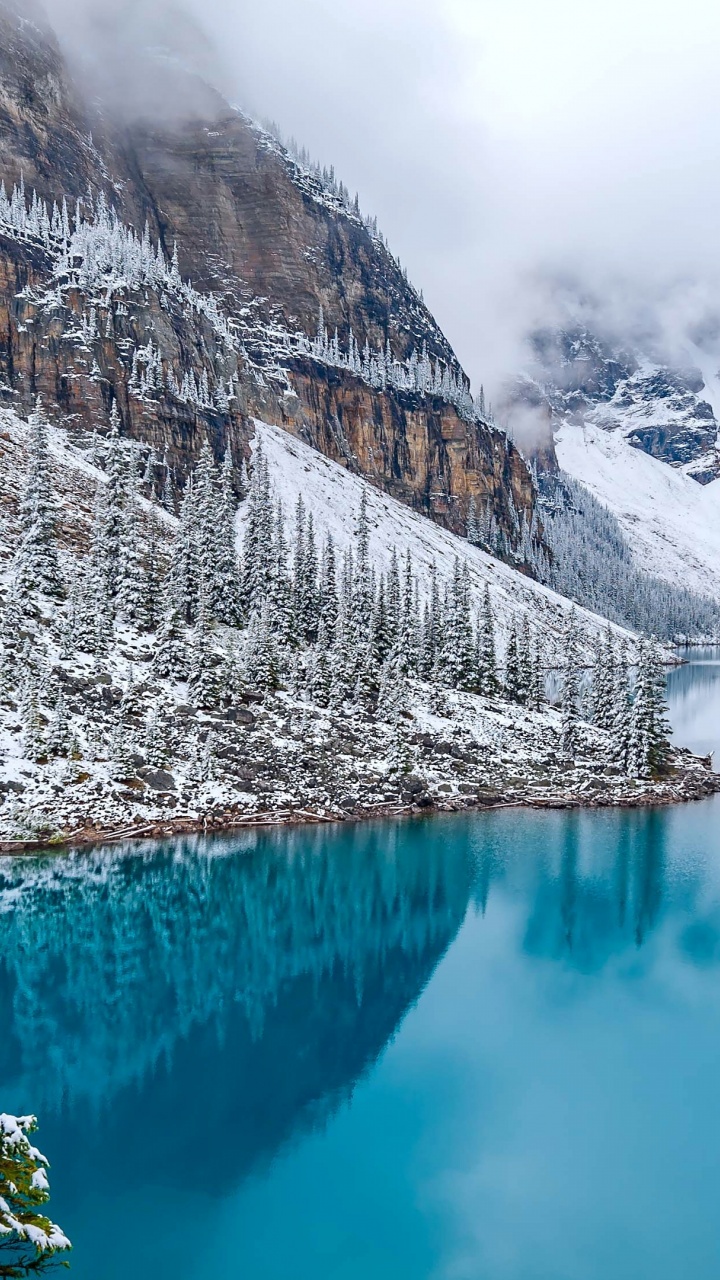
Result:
[275,250]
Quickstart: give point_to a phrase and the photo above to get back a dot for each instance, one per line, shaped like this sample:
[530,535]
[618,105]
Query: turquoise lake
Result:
[479,1047]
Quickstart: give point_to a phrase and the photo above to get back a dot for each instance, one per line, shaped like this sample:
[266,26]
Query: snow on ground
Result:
[333,495]
[671,522]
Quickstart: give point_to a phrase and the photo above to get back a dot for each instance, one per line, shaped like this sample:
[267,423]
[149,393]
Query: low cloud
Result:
[524,161]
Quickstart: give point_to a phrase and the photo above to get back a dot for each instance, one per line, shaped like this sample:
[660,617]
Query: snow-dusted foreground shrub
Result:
[29,1241]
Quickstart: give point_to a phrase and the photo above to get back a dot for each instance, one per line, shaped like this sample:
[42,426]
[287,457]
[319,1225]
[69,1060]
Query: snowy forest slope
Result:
[334,495]
[672,523]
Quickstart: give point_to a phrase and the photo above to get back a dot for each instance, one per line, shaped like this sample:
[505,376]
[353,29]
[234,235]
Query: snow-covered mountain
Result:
[671,522]
[334,496]
[340,658]
[667,410]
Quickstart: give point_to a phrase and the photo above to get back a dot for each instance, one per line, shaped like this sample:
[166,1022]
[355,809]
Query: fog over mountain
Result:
[515,155]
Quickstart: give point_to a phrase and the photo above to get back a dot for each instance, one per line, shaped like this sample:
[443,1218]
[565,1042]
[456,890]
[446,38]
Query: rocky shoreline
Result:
[690,778]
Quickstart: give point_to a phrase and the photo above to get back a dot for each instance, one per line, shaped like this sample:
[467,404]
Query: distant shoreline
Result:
[692,779]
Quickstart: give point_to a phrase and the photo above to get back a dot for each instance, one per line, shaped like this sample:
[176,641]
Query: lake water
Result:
[482,1047]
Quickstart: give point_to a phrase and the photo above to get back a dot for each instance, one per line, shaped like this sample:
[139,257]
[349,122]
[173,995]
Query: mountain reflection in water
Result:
[453,1047]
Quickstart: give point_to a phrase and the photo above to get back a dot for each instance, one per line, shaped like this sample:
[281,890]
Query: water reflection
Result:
[122,970]
[274,972]
[245,1017]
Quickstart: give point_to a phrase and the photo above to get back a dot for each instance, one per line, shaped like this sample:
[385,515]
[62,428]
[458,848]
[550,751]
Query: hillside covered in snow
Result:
[671,522]
[321,653]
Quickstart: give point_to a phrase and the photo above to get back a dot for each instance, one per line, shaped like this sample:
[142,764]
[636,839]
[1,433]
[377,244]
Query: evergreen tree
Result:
[473,528]
[649,745]
[36,561]
[31,1243]
[328,587]
[156,743]
[110,530]
[514,690]
[407,647]
[185,569]
[258,540]
[203,679]
[367,681]
[34,747]
[486,664]
[149,605]
[393,597]
[12,628]
[227,575]
[321,679]
[362,584]
[392,696]
[603,685]
[60,735]
[571,688]
[622,709]
[262,665]
[122,763]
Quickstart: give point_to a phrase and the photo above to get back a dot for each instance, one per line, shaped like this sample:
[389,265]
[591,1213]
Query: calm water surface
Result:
[473,1048]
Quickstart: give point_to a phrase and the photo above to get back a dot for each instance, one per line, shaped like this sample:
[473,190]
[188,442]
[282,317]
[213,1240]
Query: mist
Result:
[527,163]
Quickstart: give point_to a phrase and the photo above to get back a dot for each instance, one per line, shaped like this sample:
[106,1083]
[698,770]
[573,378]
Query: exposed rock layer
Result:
[251,227]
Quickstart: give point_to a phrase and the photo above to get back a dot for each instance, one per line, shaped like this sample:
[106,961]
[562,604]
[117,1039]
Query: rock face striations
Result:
[199,277]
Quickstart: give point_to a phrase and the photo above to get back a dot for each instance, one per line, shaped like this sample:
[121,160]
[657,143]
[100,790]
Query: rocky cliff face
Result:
[263,238]
[576,377]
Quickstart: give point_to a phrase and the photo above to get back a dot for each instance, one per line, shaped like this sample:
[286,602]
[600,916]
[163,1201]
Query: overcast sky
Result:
[499,138]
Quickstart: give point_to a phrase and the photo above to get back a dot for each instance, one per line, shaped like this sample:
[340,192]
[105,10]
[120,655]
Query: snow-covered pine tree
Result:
[343,659]
[367,682]
[150,592]
[131,580]
[379,637]
[660,745]
[281,594]
[110,522]
[227,571]
[362,584]
[487,675]
[34,746]
[603,681]
[622,709]
[308,595]
[473,528]
[407,646]
[122,751]
[203,677]
[36,566]
[328,602]
[571,688]
[185,567]
[649,730]
[393,694]
[258,541]
[156,745]
[393,598]
[59,734]
[514,688]
[12,635]
[261,660]
[171,659]
[320,677]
